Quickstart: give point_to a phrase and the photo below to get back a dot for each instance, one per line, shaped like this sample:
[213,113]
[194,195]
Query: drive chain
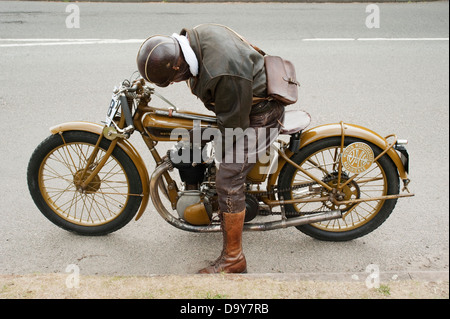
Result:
[281,191]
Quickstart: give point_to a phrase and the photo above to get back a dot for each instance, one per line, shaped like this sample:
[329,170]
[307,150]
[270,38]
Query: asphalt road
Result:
[391,79]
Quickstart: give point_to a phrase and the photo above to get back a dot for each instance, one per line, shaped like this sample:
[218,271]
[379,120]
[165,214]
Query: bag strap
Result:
[245,41]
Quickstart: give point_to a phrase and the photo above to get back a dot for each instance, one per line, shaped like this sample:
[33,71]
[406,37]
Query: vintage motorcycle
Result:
[333,182]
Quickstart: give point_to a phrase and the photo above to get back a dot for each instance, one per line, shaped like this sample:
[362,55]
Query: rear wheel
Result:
[55,173]
[321,159]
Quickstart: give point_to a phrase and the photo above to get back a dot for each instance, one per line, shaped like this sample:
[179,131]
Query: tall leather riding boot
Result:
[232,259]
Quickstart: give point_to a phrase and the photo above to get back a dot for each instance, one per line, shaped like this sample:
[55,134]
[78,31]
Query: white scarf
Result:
[188,53]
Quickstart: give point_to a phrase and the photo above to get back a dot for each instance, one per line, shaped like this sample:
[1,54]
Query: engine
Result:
[198,201]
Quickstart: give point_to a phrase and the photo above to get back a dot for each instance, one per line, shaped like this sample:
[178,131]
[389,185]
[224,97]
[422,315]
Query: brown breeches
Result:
[231,176]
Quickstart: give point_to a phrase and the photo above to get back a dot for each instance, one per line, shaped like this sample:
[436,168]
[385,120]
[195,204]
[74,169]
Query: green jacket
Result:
[230,74]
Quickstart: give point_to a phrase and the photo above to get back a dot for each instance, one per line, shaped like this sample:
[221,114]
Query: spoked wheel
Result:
[321,159]
[57,171]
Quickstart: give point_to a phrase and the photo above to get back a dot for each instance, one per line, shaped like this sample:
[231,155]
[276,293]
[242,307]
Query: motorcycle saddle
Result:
[295,121]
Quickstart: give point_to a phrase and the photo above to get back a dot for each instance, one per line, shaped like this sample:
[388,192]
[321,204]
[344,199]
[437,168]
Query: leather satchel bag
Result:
[282,83]
[281,80]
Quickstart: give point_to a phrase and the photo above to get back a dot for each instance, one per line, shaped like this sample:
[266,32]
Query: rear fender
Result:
[124,145]
[352,130]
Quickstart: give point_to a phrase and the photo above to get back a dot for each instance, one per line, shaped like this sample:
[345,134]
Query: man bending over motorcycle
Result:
[228,76]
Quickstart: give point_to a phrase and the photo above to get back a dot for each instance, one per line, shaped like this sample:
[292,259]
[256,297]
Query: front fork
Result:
[84,179]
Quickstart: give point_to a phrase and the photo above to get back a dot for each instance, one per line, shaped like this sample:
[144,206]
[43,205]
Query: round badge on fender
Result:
[357,157]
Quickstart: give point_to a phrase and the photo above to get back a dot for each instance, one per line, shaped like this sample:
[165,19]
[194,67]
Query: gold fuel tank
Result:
[160,123]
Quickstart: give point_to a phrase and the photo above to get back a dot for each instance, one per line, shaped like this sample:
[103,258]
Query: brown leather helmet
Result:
[158,59]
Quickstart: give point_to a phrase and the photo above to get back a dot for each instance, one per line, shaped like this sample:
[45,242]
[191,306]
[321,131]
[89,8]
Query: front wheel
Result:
[56,170]
[321,159]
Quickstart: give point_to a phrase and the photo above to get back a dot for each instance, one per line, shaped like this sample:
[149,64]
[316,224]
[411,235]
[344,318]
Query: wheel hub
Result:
[349,191]
[81,176]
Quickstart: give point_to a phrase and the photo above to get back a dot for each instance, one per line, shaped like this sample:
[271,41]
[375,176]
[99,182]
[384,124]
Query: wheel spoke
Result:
[324,164]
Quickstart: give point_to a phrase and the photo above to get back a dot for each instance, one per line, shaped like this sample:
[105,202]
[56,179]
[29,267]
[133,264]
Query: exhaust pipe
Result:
[156,181]
[295,221]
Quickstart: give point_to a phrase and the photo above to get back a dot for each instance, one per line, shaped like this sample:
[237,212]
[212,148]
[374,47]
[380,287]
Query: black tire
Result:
[364,218]
[109,203]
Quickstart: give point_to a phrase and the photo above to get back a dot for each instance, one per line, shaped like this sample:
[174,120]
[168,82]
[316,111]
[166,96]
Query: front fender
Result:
[124,145]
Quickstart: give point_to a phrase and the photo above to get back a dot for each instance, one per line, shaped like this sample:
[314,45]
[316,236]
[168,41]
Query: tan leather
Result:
[232,259]
[282,84]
